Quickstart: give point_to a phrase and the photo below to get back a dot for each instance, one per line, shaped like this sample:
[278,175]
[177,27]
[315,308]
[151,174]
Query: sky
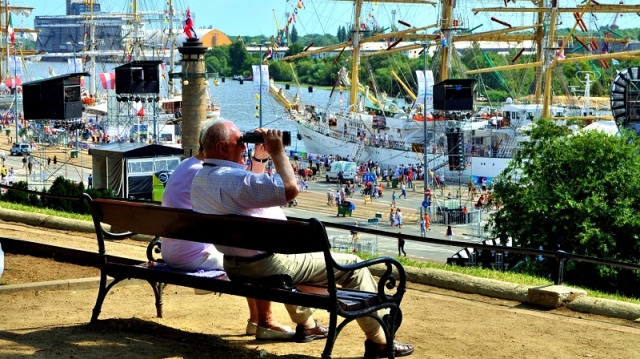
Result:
[233,17]
[264,17]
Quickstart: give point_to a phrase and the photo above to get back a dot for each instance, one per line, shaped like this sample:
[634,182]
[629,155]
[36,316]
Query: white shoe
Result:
[251,328]
[197,291]
[263,333]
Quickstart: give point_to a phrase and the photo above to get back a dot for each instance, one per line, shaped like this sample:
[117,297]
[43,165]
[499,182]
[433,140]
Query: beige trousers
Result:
[310,268]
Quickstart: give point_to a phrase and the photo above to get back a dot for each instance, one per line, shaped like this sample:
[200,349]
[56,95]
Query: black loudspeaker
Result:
[54,98]
[455,149]
[454,95]
[138,77]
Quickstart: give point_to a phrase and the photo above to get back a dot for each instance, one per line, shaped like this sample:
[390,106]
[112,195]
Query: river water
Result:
[238,102]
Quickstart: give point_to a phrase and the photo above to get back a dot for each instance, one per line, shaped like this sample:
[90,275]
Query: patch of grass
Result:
[47,211]
[504,276]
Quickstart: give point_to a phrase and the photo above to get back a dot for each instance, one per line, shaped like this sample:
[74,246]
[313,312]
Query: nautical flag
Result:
[12,35]
[188,25]
[108,80]
[267,56]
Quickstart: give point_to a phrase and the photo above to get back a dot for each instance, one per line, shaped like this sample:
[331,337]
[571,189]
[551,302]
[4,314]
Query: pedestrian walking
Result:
[423,229]
[403,190]
[393,199]
[398,219]
[355,237]
[49,161]
[90,181]
[427,221]
[392,218]
[55,161]
[331,199]
[401,242]
[449,233]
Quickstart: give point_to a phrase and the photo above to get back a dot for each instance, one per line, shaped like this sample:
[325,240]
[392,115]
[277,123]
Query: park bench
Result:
[288,237]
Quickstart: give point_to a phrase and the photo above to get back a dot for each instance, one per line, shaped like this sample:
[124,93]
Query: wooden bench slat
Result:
[228,230]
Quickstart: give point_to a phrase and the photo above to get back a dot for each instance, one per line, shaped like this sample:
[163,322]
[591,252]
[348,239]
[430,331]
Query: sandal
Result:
[374,350]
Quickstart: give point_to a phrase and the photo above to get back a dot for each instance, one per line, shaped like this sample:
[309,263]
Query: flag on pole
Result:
[74,65]
[13,82]
[267,55]
[10,32]
[108,80]
[188,25]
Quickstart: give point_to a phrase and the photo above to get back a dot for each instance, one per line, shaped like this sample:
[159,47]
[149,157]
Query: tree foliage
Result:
[497,86]
[579,193]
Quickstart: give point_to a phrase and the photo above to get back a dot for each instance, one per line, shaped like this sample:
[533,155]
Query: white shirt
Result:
[177,194]
[228,188]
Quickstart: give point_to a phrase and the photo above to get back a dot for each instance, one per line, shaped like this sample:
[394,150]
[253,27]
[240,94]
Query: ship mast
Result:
[546,60]
[445,28]
[355,64]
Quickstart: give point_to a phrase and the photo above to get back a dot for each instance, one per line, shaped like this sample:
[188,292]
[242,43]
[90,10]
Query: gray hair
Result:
[214,131]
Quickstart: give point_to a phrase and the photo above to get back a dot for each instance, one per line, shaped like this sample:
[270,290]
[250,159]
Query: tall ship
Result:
[370,128]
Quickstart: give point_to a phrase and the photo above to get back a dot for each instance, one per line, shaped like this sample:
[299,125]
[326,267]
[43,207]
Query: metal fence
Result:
[361,245]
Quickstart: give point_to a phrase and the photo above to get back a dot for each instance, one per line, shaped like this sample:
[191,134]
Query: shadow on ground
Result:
[126,338]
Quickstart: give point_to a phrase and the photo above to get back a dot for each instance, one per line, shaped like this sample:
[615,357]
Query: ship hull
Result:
[324,144]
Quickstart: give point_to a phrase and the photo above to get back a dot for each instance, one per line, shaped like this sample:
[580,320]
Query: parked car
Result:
[20,149]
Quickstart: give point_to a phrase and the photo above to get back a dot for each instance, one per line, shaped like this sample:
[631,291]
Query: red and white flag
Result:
[188,25]
[13,82]
[108,80]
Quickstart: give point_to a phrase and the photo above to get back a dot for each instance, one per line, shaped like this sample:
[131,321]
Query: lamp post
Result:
[424,119]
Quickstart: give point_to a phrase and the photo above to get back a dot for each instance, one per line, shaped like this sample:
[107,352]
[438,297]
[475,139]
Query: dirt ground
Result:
[440,323]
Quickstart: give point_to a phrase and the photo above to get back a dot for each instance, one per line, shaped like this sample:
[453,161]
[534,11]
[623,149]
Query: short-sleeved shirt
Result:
[225,187]
[177,194]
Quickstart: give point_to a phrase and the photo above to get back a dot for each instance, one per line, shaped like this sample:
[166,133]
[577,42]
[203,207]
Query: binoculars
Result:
[256,137]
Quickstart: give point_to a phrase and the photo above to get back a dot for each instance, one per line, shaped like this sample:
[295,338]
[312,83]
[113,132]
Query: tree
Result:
[574,192]
[294,34]
[342,34]
[238,56]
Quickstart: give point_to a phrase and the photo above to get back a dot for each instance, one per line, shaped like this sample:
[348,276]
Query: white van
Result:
[350,170]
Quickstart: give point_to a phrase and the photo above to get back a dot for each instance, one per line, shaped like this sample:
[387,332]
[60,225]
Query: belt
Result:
[247,259]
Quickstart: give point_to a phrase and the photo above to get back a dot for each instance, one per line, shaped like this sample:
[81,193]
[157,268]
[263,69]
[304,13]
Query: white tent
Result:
[608,127]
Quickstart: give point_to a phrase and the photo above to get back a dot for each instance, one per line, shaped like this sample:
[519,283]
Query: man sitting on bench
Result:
[224,186]
[189,255]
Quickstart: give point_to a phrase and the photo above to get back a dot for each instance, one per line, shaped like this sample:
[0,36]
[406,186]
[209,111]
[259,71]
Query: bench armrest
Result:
[394,277]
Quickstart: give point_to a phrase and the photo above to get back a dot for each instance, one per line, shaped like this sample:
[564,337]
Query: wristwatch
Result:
[259,160]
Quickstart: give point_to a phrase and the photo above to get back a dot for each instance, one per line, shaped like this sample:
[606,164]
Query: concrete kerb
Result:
[552,296]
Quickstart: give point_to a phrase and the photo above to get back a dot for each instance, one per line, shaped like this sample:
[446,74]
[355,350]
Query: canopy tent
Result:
[128,169]
[608,127]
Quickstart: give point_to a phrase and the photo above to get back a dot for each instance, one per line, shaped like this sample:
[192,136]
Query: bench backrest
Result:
[288,237]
